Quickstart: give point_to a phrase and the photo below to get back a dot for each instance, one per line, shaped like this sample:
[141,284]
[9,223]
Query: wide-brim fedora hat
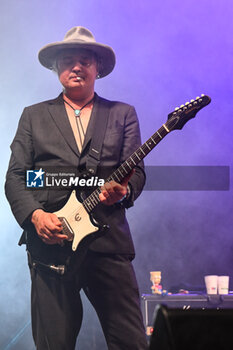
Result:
[79,38]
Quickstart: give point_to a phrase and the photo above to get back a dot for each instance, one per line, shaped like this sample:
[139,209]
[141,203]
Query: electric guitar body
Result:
[77,223]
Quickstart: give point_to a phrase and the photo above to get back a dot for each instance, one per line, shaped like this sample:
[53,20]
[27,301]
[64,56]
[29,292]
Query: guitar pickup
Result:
[66,229]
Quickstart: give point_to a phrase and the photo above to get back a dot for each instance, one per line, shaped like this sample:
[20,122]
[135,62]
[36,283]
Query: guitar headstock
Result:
[184,113]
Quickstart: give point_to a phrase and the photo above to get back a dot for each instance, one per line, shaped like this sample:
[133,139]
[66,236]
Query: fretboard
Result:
[125,168]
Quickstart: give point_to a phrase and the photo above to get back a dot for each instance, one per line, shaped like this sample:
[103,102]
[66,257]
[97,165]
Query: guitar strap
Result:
[100,126]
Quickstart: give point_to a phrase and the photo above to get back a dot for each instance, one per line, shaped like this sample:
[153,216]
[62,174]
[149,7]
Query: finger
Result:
[53,238]
[119,189]
[103,197]
[55,220]
[105,200]
[115,190]
[56,239]
[105,190]
[52,228]
[127,178]
[44,232]
[108,188]
[112,192]
[45,238]
[60,236]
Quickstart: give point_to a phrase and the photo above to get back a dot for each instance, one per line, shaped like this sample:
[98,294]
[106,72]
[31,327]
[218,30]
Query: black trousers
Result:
[109,283]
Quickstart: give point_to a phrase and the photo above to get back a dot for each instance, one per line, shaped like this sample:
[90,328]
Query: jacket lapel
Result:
[58,113]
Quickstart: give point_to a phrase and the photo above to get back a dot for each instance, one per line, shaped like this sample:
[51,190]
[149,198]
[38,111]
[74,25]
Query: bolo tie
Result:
[77,113]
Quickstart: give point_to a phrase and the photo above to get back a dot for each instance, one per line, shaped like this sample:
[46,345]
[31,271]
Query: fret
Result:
[128,165]
[90,204]
[120,172]
[166,128]
[122,166]
[159,135]
[124,170]
[110,178]
[114,174]
[95,200]
[157,138]
[87,205]
[98,191]
[91,201]
[132,160]
[147,146]
[142,151]
[153,141]
[137,156]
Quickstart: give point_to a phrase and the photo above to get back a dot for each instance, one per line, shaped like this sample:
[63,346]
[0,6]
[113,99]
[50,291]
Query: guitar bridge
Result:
[66,229]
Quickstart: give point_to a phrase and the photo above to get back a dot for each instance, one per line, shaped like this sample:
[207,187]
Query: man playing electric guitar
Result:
[59,133]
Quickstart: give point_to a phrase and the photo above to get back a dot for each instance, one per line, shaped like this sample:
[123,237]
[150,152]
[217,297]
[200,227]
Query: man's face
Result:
[77,70]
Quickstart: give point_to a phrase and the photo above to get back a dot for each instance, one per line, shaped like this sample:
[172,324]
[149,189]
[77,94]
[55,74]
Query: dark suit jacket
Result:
[45,138]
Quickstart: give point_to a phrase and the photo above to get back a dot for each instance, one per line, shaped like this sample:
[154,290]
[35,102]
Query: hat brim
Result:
[47,55]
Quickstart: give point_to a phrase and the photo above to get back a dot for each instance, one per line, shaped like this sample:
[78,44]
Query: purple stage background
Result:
[167,53]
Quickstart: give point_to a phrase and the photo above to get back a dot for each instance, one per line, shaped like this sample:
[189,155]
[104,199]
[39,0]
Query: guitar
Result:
[77,221]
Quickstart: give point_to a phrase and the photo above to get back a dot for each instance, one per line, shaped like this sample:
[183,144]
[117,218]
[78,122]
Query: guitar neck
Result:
[125,168]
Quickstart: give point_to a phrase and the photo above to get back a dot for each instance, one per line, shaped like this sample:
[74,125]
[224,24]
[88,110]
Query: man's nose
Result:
[77,65]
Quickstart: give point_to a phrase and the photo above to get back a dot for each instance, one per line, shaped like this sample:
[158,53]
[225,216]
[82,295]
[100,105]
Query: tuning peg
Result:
[181,106]
[176,109]
[197,98]
[187,103]
[202,95]
[192,100]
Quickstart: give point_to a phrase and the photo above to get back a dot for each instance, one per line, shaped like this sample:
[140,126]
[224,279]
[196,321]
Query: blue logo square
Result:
[35,178]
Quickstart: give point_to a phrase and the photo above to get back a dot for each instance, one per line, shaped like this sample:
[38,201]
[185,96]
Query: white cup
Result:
[211,283]
[223,284]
